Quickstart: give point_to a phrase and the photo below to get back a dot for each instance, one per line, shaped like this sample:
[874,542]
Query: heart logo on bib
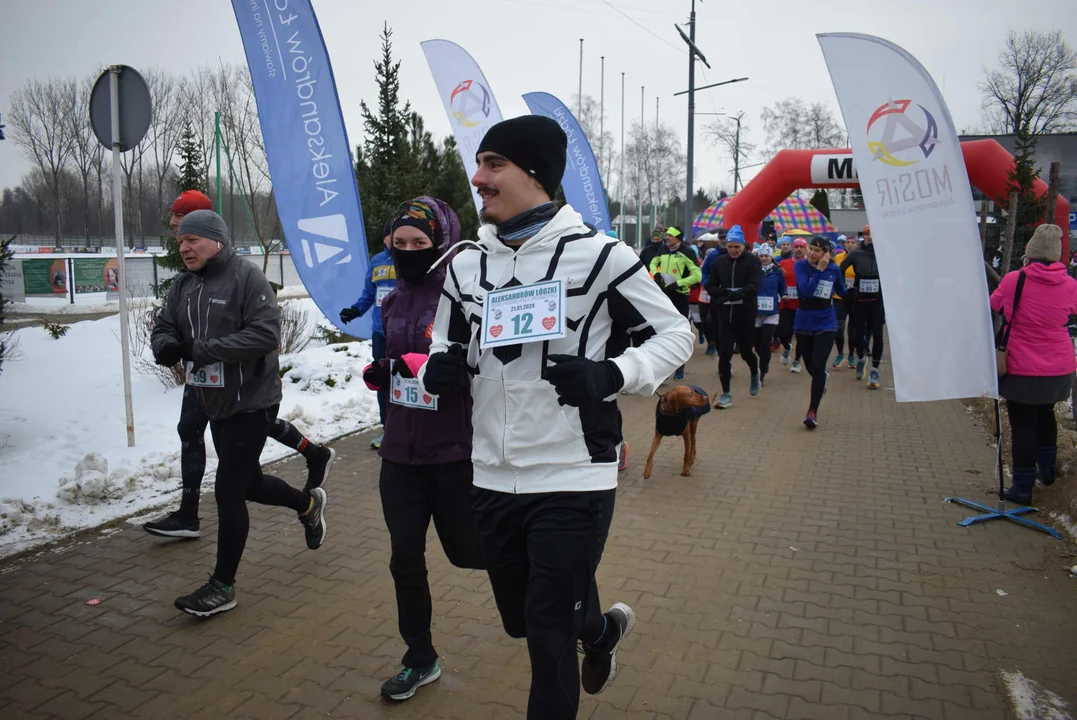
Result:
[496,330]
[213,379]
[549,322]
[396,394]
[427,399]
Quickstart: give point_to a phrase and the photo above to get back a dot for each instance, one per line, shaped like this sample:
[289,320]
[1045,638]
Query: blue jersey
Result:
[379,283]
[816,290]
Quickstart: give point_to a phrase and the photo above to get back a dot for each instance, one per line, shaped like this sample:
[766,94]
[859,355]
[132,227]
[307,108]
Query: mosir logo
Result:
[901,133]
[470,103]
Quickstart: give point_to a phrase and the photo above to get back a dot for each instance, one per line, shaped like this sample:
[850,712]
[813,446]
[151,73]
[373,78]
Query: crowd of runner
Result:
[499,412]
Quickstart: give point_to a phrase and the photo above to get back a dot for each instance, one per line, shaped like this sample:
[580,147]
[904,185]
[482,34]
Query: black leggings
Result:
[192,433]
[816,349]
[738,332]
[850,325]
[842,312]
[543,550]
[869,318]
[239,441]
[763,336]
[707,317]
[1031,427]
[412,495]
[786,319]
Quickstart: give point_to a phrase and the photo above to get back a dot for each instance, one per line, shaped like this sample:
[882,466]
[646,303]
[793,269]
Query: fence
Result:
[52,279]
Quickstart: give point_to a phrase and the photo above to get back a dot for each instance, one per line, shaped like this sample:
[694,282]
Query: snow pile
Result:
[1031,701]
[63,443]
[1066,522]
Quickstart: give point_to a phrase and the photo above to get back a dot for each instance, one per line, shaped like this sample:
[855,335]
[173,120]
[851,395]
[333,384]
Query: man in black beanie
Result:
[538,326]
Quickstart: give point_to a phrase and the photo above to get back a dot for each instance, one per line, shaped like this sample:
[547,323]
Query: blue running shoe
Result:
[860,365]
[754,386]
[838,361]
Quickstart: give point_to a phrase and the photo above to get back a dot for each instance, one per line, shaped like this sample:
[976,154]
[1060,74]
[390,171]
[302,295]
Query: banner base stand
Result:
[1002,513]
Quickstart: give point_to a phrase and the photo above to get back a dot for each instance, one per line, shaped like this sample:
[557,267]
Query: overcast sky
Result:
[525,46]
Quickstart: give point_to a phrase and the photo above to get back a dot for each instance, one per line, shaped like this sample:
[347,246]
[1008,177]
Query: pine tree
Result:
[1030,209]
[5,257]
[190,178]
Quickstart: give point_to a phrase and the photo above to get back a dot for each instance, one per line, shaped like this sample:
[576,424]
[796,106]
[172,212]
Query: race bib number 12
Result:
[524,314]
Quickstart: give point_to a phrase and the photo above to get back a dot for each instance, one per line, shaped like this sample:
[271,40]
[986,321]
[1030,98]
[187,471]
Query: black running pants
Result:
[816,350]
[1031,427]
[869,318]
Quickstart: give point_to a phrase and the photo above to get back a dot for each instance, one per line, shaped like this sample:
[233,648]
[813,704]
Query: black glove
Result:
[661,281]
[377,374]
[348,314]
[401,369]
[187,350]
[169,354]
[579,381]
[446,371]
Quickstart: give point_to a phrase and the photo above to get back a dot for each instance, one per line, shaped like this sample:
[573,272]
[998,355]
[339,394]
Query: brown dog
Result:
[678,413]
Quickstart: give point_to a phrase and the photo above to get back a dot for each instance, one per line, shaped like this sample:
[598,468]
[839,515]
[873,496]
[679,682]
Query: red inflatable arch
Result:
[989,166]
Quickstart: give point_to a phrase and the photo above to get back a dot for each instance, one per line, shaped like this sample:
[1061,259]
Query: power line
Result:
[592,11]
[658,37]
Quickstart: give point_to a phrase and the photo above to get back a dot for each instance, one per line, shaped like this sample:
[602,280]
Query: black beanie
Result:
[536,144]
[388,229]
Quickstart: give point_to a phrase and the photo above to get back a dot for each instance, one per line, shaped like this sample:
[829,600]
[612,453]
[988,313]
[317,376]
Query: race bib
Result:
[791,292]
[766,304]
[849,283]
[869,286]
[704,296]
[824,289]
[211,376]
[407,391]
[524,314]
[383,290]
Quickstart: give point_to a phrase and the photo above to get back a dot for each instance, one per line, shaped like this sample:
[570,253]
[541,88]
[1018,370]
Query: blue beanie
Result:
[612,234]
[735,235]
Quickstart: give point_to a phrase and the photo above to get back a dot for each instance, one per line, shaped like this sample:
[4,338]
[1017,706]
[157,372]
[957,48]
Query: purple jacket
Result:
[414,436]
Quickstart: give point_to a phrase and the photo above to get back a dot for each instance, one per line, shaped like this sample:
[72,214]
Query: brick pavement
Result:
[794,575]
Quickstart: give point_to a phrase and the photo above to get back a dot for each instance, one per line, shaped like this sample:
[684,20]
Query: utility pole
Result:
[691,116]
[621,177]
[736,155]
[639,174]
[602,118]
[654,205]
[579,96]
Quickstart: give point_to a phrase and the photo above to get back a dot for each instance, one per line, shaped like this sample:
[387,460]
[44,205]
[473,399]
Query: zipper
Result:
[199,332]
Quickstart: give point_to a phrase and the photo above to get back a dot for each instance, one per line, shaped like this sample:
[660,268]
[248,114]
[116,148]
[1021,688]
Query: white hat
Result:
[765,249]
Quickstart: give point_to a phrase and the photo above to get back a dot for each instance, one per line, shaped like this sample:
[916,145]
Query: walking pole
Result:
[1001,512]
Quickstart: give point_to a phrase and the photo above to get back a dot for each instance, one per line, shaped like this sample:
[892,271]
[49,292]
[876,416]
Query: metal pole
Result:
[621,178]
[602,118]
[639,176]
[217,148]
[579,96]
[736,157]
[117,203]
[654,206]
[691,114]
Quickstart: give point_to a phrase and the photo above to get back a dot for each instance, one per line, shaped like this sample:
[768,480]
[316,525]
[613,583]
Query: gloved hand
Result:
[447,371]
[733,296]
[169,354]
[187,350]
[660,281]
[579,381]
[348,314]
[376,374]
[401,368]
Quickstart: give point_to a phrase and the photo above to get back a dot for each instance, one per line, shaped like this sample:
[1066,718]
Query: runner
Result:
[733,283]
[841,309]
[659,237]
[426,458]
[545,453]
[706,314]
[380,281]
[222,318]
[785,247]
[771,291]
[868,314]
[818,281]
[184,522]
[790,303]
[851,243]
[676,272]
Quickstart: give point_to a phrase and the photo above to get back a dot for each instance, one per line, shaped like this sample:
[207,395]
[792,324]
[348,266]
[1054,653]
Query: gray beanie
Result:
[1046,244]
[204,223]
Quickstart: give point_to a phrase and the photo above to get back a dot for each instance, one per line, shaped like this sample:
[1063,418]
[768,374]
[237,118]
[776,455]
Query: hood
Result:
[564,222]
[450,234]
[1053,274]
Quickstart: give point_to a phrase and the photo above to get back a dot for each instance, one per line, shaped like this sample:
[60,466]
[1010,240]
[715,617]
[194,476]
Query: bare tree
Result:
[1034,87]
[728,135]
[198,109]
[39,115]
[600,137]
[795,125]
[86,151]
[655,165]
[166,124]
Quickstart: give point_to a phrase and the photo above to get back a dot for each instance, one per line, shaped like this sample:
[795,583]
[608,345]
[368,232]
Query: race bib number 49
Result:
[524,314]
[211,376]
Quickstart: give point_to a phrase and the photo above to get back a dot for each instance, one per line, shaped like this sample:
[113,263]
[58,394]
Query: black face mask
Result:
[412,265]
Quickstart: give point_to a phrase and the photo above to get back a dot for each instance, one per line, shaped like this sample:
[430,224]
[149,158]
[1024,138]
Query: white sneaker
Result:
[796,366]
[785,357]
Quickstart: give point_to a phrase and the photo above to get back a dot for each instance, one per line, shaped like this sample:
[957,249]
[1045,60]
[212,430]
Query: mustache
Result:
[486,188]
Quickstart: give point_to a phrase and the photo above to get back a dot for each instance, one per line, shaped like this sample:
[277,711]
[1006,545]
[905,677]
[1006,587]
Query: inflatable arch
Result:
[988,164]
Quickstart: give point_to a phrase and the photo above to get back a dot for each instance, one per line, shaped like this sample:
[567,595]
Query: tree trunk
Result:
[1052,195]
[983,226]
[1011,225]
[56,207]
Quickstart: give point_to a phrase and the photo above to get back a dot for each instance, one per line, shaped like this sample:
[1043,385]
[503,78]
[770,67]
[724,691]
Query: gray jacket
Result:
[230,313]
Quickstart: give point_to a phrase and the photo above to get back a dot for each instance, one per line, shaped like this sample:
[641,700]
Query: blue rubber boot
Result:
[1021,490]
[1046,457]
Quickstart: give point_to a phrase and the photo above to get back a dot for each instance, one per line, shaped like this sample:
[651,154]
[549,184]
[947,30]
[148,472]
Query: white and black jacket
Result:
[525,442]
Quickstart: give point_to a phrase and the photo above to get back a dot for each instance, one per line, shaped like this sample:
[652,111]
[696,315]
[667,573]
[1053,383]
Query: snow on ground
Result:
[64,460]
[1066,522]
[1032,701]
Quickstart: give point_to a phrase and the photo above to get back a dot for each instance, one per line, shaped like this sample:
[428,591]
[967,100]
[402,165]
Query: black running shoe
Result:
[600,661]
[212,598]
[314,519]
[175,524]
[318,468]
[404,684]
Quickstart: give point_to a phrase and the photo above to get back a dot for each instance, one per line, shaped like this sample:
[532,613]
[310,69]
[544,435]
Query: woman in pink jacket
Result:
[1040,360]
